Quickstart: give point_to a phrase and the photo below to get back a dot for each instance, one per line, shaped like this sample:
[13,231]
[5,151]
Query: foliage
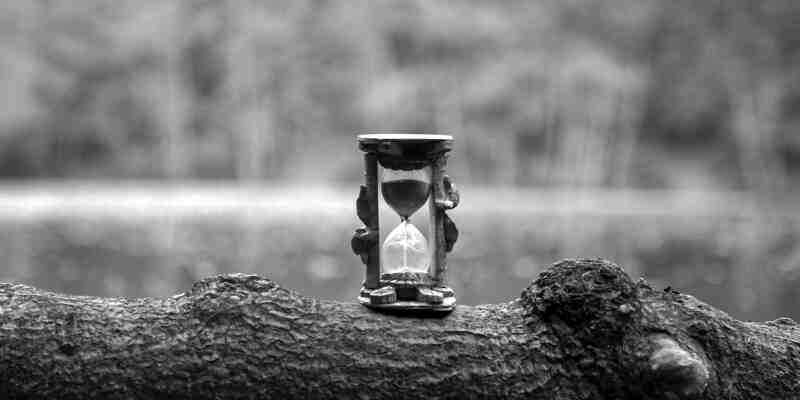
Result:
[613,92]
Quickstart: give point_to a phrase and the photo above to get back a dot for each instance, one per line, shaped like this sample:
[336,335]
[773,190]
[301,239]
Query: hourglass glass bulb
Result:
[405,191]
[405,250]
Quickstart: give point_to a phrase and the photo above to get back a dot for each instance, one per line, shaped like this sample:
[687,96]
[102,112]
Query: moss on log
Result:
[582,330]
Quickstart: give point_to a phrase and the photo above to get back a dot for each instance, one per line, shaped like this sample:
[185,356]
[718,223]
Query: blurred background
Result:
[146,144]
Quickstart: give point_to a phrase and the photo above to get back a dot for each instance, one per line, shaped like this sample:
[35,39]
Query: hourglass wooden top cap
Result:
[405,150]
[402,137]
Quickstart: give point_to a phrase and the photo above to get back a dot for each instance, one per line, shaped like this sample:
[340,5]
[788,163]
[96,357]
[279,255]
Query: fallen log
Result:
[582,330]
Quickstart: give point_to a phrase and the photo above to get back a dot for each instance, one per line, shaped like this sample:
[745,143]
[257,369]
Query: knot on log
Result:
[594,297]
[673,371]
[228,297]
[232,283]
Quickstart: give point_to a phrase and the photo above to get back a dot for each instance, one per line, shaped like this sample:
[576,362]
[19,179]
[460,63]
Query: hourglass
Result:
[406,271]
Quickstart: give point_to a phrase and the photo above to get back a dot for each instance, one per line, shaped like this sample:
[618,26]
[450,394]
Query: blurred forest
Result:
[574,97]
[623,93]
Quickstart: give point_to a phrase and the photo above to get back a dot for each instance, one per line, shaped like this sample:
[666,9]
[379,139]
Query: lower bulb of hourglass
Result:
[405,250]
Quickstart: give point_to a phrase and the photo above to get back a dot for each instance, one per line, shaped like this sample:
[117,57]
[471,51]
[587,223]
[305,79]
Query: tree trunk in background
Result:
[582,330]
[252,133]
[177,113]
[625,140]
[756,108]
[250,109]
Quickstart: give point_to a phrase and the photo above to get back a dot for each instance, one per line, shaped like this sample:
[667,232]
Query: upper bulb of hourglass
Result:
[405,191]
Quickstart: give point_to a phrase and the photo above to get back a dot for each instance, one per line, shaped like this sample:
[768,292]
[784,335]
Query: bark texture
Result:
[582,330]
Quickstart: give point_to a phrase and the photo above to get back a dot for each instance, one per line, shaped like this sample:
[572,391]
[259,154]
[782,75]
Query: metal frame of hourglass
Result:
[413,167]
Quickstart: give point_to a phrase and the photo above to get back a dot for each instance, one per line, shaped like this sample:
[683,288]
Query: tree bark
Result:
[582,330]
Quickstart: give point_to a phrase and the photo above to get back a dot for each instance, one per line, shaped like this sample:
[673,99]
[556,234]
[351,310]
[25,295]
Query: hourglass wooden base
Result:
[408,292]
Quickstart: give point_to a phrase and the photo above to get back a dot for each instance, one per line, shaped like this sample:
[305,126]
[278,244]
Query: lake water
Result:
[155,241]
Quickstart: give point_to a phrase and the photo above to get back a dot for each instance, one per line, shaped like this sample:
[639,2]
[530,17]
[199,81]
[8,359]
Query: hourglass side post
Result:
[439,260]
[373,263]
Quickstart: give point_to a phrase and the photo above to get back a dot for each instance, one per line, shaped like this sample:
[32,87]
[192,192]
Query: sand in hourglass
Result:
[405,196]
